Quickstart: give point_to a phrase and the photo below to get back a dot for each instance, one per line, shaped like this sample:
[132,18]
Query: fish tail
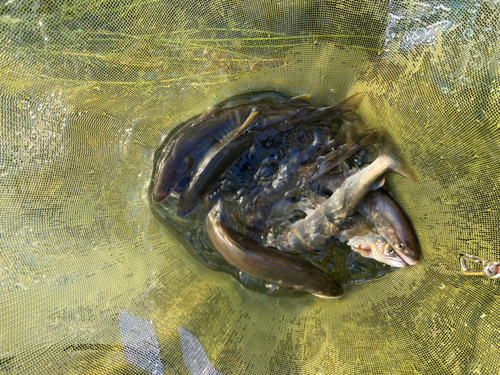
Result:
[355,133]
[356,138]
[401,166]
[351,138]
[344,109]
[350,104]
[306,98]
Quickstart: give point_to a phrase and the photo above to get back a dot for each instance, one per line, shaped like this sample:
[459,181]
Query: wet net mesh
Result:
[90,282]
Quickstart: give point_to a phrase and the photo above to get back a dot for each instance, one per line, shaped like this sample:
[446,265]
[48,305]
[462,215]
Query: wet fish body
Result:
[265,263]
[357,225]
[392,223]
[191,142]
[275,117]
[311,165]
[214,164]
[376,247]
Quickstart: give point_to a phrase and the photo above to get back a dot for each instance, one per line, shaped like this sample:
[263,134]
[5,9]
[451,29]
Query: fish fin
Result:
[339,110]
[402,166]
[342,134]
[378,184]
[355,134]
[346,170]
[280,289]
[351,103]
[207,113]
[251,119]
[351,117]
[306,98]
[364,253]
[355,243]
[361,135]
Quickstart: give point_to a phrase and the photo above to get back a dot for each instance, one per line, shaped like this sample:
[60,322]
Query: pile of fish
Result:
[277,178]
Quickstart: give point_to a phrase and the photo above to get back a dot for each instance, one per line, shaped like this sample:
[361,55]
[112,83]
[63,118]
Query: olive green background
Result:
[88,91]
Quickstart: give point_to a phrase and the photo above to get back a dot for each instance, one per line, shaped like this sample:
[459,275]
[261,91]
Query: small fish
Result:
[392,223]
[265,263]
[329,217]
[260,124]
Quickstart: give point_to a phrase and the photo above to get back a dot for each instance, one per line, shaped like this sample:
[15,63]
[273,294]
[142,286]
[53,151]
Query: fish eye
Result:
[391,251]
[400,246]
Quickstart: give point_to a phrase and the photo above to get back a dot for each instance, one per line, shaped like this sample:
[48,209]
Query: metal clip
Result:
[489,269]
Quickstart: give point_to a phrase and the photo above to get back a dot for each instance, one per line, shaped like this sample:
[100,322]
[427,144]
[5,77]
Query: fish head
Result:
[402,239]
[159,194]
[377,248]
[162,188]
[384,252]
[170,174]
[392,224]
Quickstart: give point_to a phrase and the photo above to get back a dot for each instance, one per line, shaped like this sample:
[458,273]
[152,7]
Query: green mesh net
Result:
[91,282]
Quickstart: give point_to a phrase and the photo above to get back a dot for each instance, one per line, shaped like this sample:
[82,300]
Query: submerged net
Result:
[91,282]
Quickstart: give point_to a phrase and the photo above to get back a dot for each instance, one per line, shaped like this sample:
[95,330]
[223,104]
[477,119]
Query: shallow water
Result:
[267,172]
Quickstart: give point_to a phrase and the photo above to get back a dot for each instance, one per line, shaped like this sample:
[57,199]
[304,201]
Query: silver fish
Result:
[265,263]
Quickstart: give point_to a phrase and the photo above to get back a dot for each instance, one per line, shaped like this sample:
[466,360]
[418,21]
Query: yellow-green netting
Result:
[91,282]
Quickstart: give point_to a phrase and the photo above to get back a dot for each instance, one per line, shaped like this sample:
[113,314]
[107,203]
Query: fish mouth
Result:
[159,196]
[409,261]
[397,264]
[326,297]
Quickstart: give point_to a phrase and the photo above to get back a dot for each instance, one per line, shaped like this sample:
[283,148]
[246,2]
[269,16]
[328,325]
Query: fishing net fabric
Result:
[91,282]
